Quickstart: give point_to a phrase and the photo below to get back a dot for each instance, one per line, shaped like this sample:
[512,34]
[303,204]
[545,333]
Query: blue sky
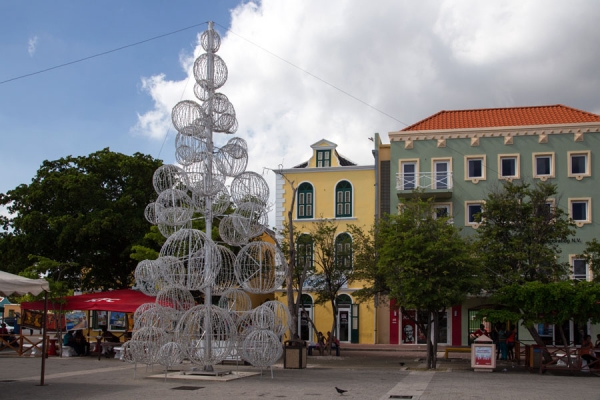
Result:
[406,60]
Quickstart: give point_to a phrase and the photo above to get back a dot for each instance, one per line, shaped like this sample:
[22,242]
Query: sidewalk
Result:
[375,373]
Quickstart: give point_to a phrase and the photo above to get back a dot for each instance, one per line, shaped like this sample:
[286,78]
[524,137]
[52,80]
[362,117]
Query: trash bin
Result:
[294,354]
[535,357]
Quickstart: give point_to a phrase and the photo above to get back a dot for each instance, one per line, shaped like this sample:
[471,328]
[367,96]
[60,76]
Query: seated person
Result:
[586,349]
[82,347]
[108,336]
[319,345]
[333,342]
[69,339]
[479,332]
[6,336]
[597,345]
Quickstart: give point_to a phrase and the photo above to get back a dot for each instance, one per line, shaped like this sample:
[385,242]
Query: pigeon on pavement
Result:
[340,391]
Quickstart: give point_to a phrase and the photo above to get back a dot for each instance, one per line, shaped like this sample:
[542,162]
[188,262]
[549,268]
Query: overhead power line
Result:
[101,54]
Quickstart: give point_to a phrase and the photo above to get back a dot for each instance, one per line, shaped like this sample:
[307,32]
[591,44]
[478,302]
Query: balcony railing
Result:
[424,181]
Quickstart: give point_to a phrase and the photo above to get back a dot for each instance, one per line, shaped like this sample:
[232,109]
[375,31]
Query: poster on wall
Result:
[76,320]
[408,327]
[118,321]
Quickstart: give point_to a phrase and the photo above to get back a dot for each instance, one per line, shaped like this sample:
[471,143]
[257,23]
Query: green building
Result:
[458,157]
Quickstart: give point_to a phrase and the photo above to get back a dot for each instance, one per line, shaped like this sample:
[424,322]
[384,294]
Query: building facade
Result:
[331,187]
[459,157]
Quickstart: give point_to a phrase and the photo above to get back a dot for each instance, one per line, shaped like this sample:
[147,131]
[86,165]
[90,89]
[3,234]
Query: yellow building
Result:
[329,186]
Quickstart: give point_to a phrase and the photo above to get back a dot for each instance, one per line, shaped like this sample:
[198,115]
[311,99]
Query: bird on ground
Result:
[340,391]
[401,364]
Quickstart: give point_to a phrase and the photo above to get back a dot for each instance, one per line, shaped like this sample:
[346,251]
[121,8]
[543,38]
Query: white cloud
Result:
[32,46]
[408,59]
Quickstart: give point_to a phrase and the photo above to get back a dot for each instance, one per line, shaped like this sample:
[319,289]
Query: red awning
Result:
[123,300]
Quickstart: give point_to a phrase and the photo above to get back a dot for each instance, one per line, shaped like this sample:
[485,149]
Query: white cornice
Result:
[501,131]
[327,169]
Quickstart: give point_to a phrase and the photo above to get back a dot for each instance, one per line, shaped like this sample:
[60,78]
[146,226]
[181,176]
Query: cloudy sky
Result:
[299,71]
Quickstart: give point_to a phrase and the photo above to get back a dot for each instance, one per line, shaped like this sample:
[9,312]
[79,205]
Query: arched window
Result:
[343,250]
[304,251]
[305,200]
[343,199]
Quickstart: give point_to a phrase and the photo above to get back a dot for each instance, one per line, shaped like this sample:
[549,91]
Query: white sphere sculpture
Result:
[260,267]
[262,348]
[198,253]
[235,301]
[206,334]
[176,299]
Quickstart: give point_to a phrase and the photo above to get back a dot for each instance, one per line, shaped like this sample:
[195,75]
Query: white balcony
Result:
[438,184]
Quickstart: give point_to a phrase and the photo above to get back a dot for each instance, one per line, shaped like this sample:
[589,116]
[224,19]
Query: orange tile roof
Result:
[496,117]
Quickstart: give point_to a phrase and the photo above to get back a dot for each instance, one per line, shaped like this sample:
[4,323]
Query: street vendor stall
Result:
[14,284]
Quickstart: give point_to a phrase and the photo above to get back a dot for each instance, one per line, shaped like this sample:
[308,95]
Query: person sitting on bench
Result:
[334,343]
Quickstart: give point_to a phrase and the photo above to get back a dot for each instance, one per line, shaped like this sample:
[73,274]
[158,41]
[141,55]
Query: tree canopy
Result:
[82,212]
[424,262]
[520,234]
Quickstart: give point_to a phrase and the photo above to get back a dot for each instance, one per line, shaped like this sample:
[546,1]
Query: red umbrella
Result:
[123,300]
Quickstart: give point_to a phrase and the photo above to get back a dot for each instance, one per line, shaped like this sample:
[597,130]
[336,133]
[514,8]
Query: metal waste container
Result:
[294,354]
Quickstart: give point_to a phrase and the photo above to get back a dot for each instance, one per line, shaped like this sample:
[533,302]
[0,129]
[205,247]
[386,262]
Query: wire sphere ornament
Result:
[205,177]
[225,279]
[219,203]
[176,299]
[228,161]
[186,113]
[198,253]
[260,267]
[157,317]
[206,334]
[150,213]
[229,234]
[262,348]
[283,318]
[174,208]
[219,69]
[263,318]
[148,278]
[249,186]
[172,270]
[169,355]
[169,176]
[139,311]
[148,341]
[190,149]
[169,230]
[201,93]
[250,219]
[210,41]
[235,301]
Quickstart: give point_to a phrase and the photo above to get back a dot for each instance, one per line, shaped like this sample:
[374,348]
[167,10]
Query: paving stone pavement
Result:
[365,374]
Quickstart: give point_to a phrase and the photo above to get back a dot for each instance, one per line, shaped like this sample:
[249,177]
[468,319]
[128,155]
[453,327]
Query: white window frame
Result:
[416,163]
[447,206]
[588,164]
[475,179]
[588,217]
[552,173]
[517,158]
[467,214]
[588,272]
[434,162]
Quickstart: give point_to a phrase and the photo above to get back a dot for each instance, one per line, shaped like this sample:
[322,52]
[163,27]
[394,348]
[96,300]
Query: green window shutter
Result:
[354,327]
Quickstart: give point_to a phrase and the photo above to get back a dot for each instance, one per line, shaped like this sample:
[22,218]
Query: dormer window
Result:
[323,158]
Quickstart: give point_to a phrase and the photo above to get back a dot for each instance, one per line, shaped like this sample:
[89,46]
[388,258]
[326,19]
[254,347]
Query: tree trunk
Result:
[436,322]
[429,344]
[292,305]
[538,340]
[565,344]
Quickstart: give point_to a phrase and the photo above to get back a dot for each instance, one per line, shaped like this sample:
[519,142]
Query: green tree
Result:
[592,255]
[520,235]
[333,264]
[548,302]
[83,211]
[519,239]
[426,265]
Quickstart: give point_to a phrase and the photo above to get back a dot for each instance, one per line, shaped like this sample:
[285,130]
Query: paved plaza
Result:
[364,374]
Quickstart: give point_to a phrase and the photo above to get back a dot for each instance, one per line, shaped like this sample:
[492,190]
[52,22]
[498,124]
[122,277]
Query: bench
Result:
[456,350]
